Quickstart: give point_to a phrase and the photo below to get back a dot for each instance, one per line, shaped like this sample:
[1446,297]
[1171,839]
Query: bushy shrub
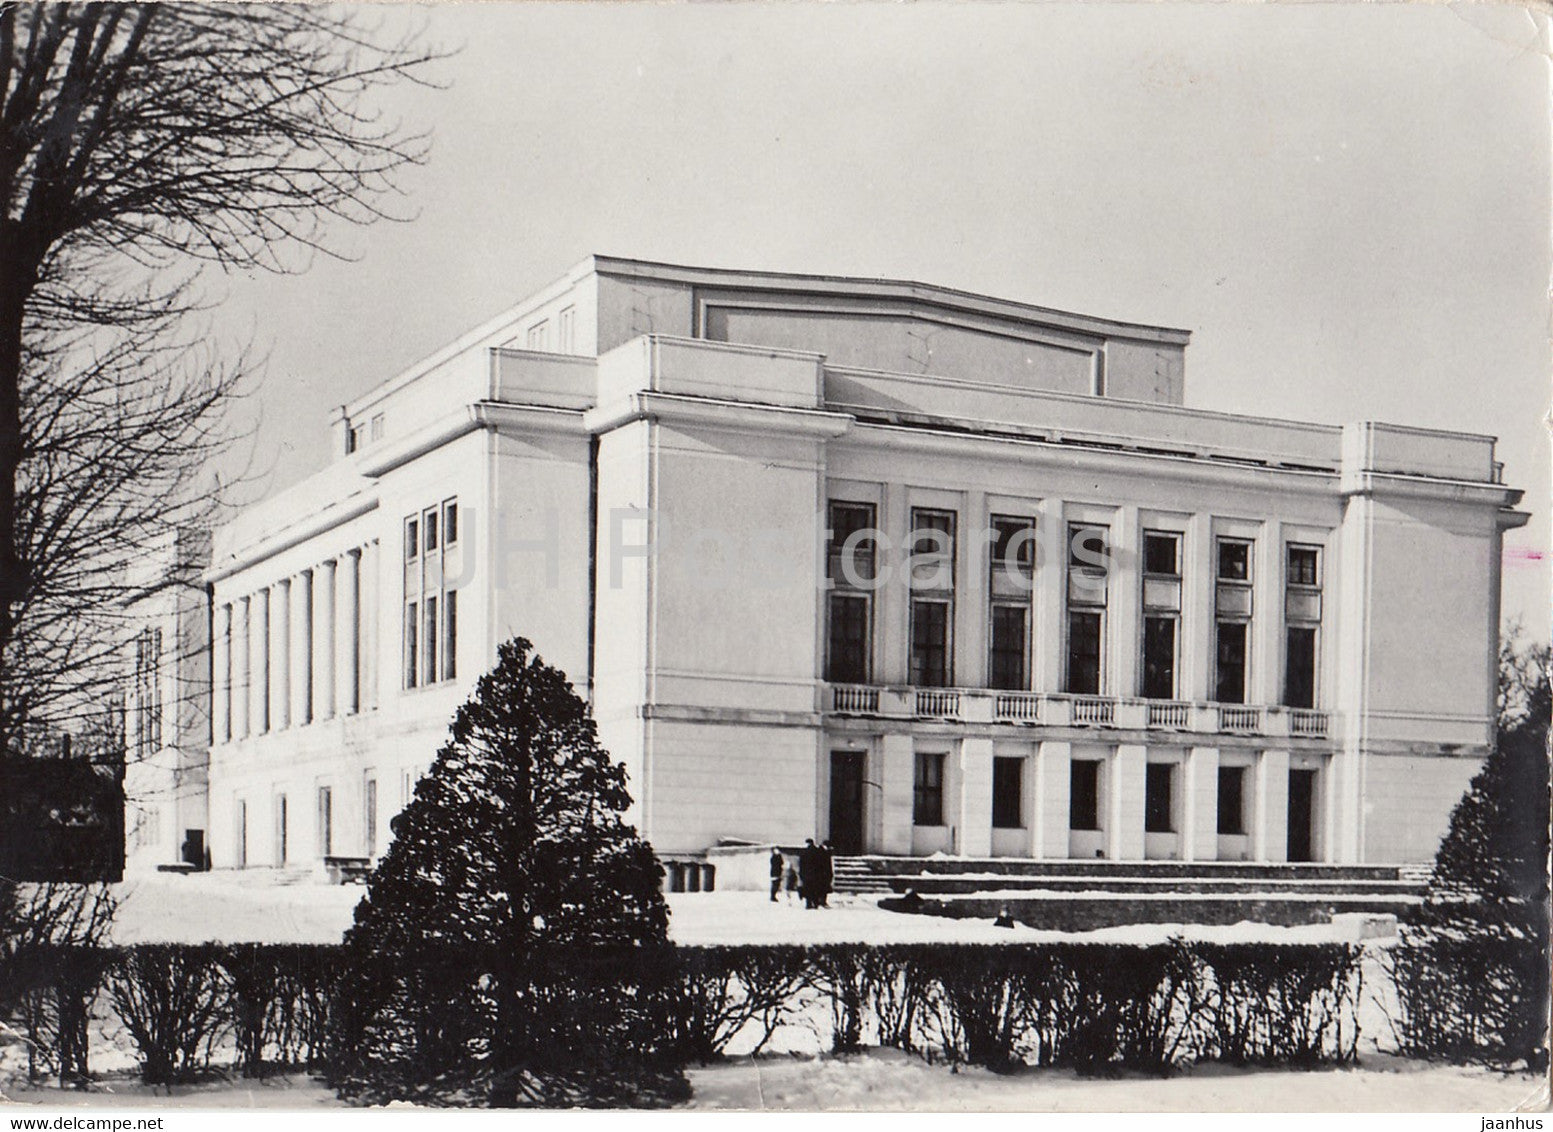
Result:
[171,997]
[1281,1005]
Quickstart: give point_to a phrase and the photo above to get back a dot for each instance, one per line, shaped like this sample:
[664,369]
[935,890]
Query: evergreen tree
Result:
[505,935]
[1475,955]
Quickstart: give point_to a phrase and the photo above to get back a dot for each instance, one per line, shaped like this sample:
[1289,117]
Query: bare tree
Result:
[141,144]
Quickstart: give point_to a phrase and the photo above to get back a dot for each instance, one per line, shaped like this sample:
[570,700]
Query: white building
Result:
[1290,655]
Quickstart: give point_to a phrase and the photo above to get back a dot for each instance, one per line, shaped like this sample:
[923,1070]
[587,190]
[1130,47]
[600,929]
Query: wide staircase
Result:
[1081,895]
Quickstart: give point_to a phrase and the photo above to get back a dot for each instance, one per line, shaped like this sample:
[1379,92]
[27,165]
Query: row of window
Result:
[324,828]
[538,335]
[851,569]
[146,693]
[430,606]
[1159,809]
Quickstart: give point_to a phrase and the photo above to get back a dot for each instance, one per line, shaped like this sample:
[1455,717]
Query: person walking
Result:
[778,866]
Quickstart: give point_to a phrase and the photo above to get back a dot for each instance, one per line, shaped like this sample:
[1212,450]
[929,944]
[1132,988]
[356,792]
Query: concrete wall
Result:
[1408,802]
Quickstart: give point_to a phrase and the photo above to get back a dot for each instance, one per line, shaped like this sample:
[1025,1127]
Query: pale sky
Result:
[1348,205]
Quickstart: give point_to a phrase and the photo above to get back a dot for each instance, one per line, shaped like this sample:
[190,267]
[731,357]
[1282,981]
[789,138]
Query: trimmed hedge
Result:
[1095,1008]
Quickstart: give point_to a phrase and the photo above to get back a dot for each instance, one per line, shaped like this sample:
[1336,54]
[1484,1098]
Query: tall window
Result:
[1232,799]
[1161,613]
[932,597]
[850,552]
[1010,584]
[1302,620]
[147,692]
[566,330]
[282,832]
[1007,793]
[1232,605]
[1084,794]
[539,336]
[432,555]
[369,804]
[1158,798]
[928,797]
[1088,584]
[325,822]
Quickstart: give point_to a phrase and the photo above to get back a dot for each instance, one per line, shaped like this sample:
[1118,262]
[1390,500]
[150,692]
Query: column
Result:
[1270,821]
[1124,805]
[1053,779]
[1124,596]
[282,652]
[1196,675]
[971,610]
[1265,685]
[1200,805]
[324,700]
[241,656]
[1051,572]
[975,809]
[348,635]
[1342,808]
[221,679]
[898,758]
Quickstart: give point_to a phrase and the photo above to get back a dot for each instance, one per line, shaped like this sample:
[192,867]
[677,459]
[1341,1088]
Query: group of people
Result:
[810,875]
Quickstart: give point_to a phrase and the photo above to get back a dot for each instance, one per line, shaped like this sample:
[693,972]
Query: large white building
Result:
[1129,629]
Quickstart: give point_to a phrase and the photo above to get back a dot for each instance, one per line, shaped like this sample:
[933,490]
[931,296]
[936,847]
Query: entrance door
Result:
[1302,798]
[846,802]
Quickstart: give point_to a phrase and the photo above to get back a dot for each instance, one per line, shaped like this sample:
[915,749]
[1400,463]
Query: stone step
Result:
[965,884]
[1020,866]
[1088,911]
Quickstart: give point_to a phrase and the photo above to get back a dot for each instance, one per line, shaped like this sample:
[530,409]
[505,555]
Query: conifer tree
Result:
[1475,955]
[504,933]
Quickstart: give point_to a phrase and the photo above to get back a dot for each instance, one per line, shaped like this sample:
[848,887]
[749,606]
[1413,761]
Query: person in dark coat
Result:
[777,866]
[809,865]
[827,865]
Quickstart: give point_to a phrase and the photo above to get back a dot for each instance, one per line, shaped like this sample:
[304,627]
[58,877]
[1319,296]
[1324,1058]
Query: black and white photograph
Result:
[774,557]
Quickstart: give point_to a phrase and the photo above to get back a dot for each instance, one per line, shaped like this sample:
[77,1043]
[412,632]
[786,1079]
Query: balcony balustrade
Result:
[974,705]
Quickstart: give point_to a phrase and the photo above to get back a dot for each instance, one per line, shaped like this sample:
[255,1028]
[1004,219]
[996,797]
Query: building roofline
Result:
[881,287]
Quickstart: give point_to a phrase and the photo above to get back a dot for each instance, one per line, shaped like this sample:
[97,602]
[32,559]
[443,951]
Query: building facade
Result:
[915,570]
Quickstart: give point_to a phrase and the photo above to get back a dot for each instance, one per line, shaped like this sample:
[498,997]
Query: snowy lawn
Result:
[887,1080]
[251,907]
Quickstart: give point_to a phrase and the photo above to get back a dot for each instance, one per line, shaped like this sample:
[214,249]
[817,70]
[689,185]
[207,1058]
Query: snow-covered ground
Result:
[252,907]
[886,1080]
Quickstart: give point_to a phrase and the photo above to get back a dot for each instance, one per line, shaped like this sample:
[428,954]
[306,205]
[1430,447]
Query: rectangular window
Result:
[1162,554]
[1084,652]
[930,644]
[848,639]
[566,330]
[1230,687]
[411,624]
[431,640]
[1299,679]
[1013,546]
[377,427]
[1234,560]
[928,797]
[1159,658]
[1009,647]
[1007,793]
[1084,794]
[282,833]
[450,522]
[430,525]
[1232,629]
[325,822]
[369,800]
[1304,566]
[242,835]
[1232,800]
[1302,618]
[1158,803]
[412,539]
[450,645]
[846,540]
[539,336]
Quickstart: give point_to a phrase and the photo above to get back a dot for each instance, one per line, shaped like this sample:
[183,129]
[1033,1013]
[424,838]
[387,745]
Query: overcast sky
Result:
[1347,205]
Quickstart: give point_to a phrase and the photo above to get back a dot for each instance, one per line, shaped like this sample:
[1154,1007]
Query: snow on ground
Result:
[887,1080]
[253,907]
